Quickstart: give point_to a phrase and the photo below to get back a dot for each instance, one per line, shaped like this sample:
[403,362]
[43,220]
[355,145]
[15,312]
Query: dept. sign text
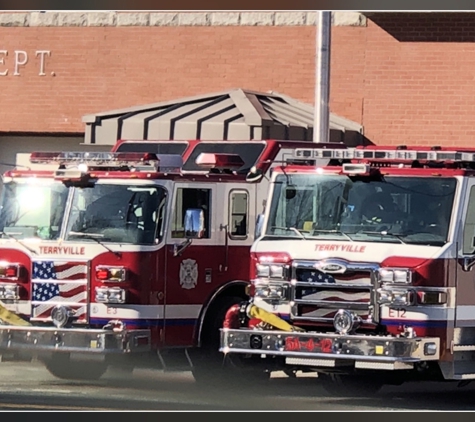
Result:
[12,62]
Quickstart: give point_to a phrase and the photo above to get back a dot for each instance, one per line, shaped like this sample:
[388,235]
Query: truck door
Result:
[237,231]
[465,284]
[191,274]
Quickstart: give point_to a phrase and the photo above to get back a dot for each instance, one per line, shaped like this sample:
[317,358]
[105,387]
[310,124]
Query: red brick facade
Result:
[408,80]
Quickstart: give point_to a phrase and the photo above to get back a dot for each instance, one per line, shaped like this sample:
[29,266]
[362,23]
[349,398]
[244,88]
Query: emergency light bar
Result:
[103,158]
[219,161]
[398,155]
[165,163]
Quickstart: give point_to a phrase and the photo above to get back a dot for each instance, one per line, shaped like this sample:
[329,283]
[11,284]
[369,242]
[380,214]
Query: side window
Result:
[238,214]
[191,198]
[469,227]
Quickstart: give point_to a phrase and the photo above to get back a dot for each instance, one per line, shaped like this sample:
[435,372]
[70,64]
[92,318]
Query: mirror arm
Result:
[179,248]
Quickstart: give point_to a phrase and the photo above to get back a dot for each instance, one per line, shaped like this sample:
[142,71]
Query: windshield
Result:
[394,209]
[32,209]
[117,213]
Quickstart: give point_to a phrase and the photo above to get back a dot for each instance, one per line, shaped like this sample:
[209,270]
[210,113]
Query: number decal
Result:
[397,313]
[111,310]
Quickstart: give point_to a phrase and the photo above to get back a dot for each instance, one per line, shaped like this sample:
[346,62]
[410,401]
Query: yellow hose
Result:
[11,318]
[269,318]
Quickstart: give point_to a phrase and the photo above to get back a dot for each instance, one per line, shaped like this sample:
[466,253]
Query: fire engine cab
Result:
[363,270]
[129,257]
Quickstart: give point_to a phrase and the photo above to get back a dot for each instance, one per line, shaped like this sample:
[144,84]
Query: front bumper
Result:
[36,340]
[330,349]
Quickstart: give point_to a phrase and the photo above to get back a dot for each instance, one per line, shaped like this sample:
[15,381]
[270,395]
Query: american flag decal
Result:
[318,295]
[59,283]
[315,276]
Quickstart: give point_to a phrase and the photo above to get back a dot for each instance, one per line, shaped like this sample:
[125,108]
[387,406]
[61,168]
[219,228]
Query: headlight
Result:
[275,271]
[270,291]
[9,292]
[396,297]
[262,271]
[395,275]
[110,295]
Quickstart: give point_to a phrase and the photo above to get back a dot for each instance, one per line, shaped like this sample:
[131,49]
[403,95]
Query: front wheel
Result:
[61,366]
[212,367]
[350,385]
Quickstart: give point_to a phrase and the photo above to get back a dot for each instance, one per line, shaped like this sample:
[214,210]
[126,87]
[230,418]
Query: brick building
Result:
[407,78]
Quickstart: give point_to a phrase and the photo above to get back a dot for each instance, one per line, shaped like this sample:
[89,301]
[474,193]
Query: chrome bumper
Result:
[329,349]
[74,340]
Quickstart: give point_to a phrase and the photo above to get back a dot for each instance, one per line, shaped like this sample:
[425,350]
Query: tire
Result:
[61,366]
[350,385]
[212,367]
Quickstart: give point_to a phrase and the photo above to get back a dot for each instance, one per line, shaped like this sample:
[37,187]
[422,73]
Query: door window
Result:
[191,198]
[238,214]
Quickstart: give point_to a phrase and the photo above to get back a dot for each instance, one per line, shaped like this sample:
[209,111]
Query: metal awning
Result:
[230,115]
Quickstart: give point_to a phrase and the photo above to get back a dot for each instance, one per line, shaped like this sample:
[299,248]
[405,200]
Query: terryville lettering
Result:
[340,248]
[62,250]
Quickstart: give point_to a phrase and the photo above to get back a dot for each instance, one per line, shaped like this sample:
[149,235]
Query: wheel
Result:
[350,385]
[212,367]
[61,366]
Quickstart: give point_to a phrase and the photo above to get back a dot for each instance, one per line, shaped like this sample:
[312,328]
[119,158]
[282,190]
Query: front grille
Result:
[318,294]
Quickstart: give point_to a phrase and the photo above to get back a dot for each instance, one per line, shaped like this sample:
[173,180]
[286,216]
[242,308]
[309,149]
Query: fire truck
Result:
[363,269]
[129,257]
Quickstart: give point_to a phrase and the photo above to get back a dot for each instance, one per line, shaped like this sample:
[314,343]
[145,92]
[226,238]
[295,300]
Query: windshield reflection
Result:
[104,213]
[117,213]
[397,209]
[33,209]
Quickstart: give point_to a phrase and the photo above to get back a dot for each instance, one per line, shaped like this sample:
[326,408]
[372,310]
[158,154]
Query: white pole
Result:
[321,125]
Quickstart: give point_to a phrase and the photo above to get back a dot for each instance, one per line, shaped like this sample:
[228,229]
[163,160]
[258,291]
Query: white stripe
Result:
[182,311]
[328,311]
[81,312]
[337,293]
[416,313]
[77,269]
[465,312]
[101,310]
[54,301]
[376,252]
[66,287]
[21,307]
[360,281]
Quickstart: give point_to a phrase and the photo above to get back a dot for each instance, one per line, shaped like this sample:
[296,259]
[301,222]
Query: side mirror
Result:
[254,175]
[194,223]
[290,192]
[259,225]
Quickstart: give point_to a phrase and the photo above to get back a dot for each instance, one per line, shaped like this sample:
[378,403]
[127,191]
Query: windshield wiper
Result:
[19,241]
[316,231]
[95,236]
[384,233]
[293,229]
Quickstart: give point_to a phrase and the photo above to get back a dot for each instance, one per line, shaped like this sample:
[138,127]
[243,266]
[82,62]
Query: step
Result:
[464,348]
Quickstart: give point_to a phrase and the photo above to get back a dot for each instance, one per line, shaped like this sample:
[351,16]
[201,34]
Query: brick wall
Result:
[407,78]
[419,79]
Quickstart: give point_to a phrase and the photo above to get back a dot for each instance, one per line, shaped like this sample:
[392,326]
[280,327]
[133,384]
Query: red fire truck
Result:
[129,257]
[364,269]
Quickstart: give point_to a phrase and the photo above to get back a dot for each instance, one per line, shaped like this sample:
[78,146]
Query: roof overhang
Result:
[229,115]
